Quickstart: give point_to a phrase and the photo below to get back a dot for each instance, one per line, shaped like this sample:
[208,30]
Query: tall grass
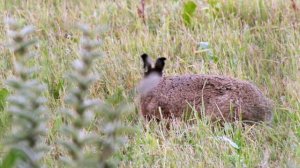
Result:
[256,40]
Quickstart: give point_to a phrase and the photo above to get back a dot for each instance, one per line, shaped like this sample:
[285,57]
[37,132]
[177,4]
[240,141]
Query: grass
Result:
[256,40]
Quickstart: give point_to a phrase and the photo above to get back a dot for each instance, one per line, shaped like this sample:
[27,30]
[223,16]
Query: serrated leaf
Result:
[79,65]
[92,44]
[22,114]
[69,130]
[71,148]
[14,82]
[20,47]
[18,100]
[91,103]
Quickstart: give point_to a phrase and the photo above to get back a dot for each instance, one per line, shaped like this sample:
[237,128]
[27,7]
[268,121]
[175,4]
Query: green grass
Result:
[256,40]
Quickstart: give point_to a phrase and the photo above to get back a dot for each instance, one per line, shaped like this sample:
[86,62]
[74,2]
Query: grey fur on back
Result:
[218,97]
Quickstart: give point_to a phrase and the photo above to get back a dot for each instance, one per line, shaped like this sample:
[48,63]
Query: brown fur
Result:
[223,98]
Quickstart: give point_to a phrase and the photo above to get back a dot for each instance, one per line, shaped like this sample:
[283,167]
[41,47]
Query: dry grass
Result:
[256,40]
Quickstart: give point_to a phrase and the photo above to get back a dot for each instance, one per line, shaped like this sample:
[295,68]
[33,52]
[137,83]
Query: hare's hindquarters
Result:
[254,105]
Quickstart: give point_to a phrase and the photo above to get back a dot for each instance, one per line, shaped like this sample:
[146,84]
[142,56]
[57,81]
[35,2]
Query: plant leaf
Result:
[11,158]
[3,95]
[189,9]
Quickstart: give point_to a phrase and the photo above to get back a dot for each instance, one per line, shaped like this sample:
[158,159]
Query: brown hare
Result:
[218,97]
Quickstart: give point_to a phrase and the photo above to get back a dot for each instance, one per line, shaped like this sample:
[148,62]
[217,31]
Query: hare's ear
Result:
[147,62]
[159,64]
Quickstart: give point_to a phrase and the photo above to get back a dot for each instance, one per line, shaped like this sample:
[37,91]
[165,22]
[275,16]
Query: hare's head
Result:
[149,68]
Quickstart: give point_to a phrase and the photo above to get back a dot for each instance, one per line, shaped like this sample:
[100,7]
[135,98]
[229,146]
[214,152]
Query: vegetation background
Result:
[255,40]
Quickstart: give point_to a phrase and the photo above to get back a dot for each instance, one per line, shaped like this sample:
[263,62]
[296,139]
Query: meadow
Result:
[254,40]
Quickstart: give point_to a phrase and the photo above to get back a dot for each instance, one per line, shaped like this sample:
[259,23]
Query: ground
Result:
[255,40]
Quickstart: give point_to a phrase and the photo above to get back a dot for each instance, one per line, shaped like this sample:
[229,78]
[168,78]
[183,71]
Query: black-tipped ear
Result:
[160,64]
[147,62]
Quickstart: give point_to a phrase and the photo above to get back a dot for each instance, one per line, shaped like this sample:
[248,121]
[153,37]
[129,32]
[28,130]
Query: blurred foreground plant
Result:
[81,113]
[26,104]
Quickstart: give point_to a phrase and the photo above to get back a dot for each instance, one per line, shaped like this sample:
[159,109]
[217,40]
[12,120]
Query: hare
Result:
[218,97]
